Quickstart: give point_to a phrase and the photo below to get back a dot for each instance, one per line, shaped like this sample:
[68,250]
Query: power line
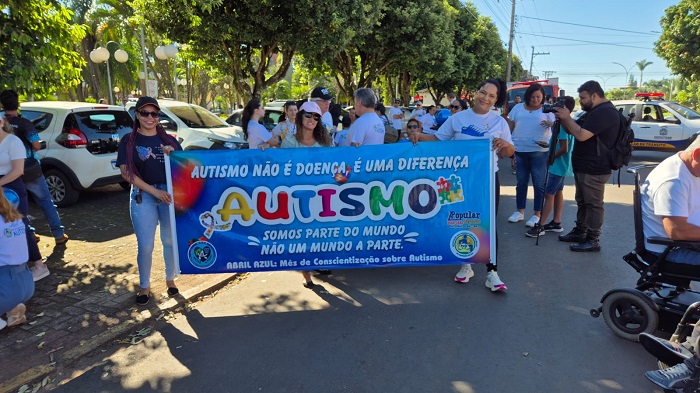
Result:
[592,27]
[588,42]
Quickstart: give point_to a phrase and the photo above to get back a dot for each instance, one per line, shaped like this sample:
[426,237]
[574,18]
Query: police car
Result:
[660,125]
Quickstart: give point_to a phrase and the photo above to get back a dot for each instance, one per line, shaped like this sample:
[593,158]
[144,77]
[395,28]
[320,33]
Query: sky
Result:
[583,38]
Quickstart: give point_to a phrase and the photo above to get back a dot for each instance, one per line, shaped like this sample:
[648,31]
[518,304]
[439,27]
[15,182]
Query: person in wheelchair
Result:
[671,205]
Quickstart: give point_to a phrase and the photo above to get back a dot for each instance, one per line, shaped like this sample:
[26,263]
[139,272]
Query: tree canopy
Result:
[679,43]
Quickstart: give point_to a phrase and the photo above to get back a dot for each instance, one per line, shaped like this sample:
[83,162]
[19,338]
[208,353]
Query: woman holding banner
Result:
[479,122]
[310,133]
[255,133]
[141,159]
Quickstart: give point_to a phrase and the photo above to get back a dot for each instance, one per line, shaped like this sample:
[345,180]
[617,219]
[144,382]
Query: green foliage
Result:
[679,43]
[37,55]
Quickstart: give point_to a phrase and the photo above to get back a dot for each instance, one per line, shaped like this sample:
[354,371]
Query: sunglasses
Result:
[411,127]
[154,115]
[315,116]
[456,107]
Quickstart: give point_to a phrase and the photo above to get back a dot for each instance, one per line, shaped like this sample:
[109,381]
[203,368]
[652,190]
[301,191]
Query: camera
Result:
[550,108]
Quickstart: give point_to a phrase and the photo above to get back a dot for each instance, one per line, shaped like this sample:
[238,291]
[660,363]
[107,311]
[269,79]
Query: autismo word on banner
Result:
[332,208]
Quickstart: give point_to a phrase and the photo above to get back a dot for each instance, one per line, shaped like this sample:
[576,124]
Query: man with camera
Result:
[591,172]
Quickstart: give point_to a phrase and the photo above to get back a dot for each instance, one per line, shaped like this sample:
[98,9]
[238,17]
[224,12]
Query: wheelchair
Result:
[662,294]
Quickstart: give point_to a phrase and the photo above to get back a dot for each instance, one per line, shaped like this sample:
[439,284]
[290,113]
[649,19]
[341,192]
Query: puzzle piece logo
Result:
[450,189]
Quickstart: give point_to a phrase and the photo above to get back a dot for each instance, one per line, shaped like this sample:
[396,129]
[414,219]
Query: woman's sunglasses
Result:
[315,116]
[154,115]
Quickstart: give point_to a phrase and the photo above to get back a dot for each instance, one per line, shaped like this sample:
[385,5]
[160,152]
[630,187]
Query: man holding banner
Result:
[368,129]
[479,122]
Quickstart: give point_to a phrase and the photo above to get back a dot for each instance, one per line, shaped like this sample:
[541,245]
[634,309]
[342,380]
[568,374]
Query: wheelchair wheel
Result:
[628,314]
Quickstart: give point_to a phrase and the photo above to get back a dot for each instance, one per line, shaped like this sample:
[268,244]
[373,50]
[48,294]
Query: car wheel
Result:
[62,192]
[125,185]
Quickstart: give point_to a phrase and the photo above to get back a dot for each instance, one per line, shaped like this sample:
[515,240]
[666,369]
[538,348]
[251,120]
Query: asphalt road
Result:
[403,329]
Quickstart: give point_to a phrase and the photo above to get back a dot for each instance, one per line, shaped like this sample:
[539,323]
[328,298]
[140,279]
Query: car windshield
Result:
[197,117]
[683,111]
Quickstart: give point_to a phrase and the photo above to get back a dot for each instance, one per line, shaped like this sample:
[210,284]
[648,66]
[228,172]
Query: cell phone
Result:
[138,198]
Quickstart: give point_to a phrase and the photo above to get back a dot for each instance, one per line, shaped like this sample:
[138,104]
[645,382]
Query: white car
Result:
[195,127]
[660,125]
[82,140]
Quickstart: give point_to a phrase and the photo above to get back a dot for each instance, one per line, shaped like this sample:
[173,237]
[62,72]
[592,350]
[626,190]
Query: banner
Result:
[332,208]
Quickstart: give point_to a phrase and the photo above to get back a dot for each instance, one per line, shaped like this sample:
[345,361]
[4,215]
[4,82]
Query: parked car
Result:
[82,140]
[660,125]
[195,127]
[272,117]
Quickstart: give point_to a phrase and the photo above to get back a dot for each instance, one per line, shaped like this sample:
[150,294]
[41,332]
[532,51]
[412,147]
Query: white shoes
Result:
[515,217]
[494,283]
[464,274]
[534,220]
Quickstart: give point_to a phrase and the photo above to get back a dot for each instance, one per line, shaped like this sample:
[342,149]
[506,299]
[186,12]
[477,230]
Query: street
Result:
[403,329]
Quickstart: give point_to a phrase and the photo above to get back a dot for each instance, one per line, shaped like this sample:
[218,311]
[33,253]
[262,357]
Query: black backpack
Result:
[620,154]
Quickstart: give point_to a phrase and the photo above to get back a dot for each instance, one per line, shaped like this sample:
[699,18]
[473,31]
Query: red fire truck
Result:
[551,89]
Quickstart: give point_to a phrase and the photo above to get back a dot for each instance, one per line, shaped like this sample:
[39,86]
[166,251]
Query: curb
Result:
[94,342]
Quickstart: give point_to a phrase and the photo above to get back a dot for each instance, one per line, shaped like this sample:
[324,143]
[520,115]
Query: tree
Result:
[253,41]
[36,55]
[642,65]
[679,43]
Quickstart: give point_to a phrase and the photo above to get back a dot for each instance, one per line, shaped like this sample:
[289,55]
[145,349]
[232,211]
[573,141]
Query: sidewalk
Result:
[89,298]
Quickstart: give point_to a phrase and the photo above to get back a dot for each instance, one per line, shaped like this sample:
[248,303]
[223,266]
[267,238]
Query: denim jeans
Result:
[16,286]
[40,192]
[17,186]
[530,165]
[145,216]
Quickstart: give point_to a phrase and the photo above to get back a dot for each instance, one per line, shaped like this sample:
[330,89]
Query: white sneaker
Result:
[464,274]
[494,283]
[515,217]
[532,221]
[39,272]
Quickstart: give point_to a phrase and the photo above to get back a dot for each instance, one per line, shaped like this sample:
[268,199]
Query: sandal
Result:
[172,291]
[143,300]
[16,315]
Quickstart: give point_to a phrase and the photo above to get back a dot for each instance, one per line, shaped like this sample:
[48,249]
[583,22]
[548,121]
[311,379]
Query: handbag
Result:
[32,169]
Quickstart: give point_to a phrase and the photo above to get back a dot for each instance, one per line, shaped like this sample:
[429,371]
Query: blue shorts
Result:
[554,184]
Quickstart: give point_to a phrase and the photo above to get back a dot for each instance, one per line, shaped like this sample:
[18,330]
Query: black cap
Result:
[321,93]
[145,100]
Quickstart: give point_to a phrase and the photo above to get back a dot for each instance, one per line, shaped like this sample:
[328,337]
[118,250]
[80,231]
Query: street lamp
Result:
[169,52]
[605,80]
[102,54]
[627,81]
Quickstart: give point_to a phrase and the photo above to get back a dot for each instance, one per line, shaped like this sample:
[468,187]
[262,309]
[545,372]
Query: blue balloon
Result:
[11,196]
[441,116]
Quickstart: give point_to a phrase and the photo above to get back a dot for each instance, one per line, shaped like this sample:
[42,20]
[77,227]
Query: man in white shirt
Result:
[419,111]
[368,129]
[428,120]
[396,115]
[322,97]
[670,203]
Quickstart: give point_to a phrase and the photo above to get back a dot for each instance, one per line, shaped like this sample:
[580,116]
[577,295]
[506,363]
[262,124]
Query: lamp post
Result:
[627,81]
[605,80]
[169,52]
[102,54]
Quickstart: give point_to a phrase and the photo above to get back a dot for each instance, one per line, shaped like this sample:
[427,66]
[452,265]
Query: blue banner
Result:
[333,208]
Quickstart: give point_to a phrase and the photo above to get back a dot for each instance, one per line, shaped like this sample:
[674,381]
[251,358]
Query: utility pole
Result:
[533,58]
[510,40]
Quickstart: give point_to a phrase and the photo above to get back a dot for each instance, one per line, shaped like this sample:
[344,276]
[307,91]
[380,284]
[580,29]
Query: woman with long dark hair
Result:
[479,121]
[310,133]
[255,133]
[141,159]
[531,133]
[288,125]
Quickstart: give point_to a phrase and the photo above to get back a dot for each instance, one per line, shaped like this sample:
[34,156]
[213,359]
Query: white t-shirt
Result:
[291,142]
[416,113]
[428,121]
[284,128]
[368,129]
[669,190]
[11,148]
[257,134]
[528,128]
[13,242]
[397,123]
[327,120]
[467,124]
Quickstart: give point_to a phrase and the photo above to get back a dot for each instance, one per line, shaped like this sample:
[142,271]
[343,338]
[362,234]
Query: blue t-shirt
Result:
[562,164]
[149,160]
